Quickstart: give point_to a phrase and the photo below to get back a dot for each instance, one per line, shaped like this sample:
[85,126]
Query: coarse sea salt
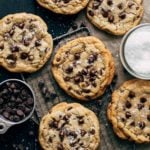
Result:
[137,51]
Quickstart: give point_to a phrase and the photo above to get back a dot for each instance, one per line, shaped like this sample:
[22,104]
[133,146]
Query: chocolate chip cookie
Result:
[114,16]
[25,44]
[83,68]
[69,127]
[129,111]
[66,7]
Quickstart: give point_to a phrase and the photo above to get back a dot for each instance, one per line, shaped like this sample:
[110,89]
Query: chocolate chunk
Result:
[66,78]
[1,46]
[128,104]
[83,132]
[21,25]
[76,56]
[148,117]
[60,147]
[92,131]
[142,125]
[37,43]
[80,120]
[91,13]
[12,57]
[69,69]
[128,114]
[120,6]
[53,124]
[143,99]
[109,2]
[105,13]
[24,55]
[14,48]
[140,106]
[111,18]
[132,123]
[131,94]
[122,16]
[92,58]
[78,79]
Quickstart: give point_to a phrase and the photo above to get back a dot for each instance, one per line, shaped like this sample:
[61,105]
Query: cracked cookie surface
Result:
[69,127]
[129,111]
[115,16]
[25,45]
[66,7]
[83,68]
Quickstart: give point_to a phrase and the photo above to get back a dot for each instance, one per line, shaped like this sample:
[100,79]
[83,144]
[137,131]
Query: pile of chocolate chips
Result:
[16,101]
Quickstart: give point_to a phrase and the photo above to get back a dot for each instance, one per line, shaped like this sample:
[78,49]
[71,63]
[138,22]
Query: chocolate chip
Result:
[69,108]
[31,57]
[44,90]
[82,25]
[20,113]
[61,135]
[12,57]
[92,58]
[24,55]
[132,123]
[50,139]
[128,104]
[60,147]
[66,78]
[91,13]
[109,2]
[128,114]
[1,46]
[53,124]
[105,13]
[37,43]
[84,71]
[131,94]
[80,119]
[83,132]
[140,106]
[130,5]
[111,18]
[58,59]
[120,6]
[11,32]
[93,72]
[6,114]
[92,131]
[66,1]
[26,41]
[143,99]
[69,69]
[30,101]
[66,117]
[78,79]
[86,90]
[142,125]
[122,16]
[21,25]
[76,56]
[14,48]
[72,133]
[148,117]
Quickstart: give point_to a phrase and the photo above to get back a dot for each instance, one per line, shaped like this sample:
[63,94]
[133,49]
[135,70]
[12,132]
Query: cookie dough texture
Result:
[115,16]
[69,127]
[129,111]
[83,68]
[25,45]
[66,7]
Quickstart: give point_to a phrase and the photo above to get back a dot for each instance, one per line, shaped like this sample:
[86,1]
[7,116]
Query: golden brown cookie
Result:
[69,127]
[66,7]
[25,45]
[115,16]
[129,111]
[83,68]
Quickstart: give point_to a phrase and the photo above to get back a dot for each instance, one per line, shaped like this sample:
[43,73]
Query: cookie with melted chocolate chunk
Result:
[83,68]
[69,127]
[114,16]
[66,7]
[129,111]
[25,44]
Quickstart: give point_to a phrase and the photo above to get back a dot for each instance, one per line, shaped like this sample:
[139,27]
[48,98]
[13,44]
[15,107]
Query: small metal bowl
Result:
[6,124]
[135,51]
